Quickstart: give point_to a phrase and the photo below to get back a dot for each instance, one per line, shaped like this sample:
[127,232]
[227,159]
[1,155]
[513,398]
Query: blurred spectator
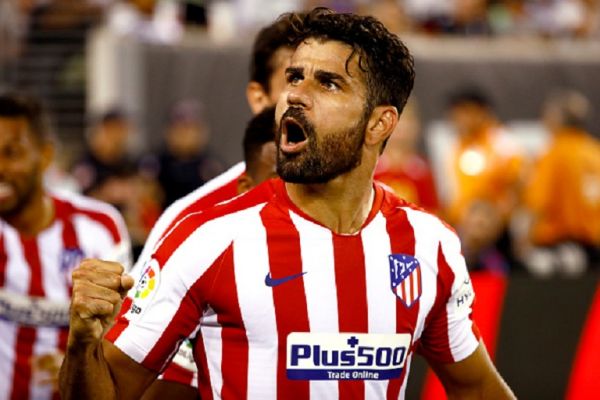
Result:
[563,192]
[148,20]
[402,168]
[486,169]
[106,154]
[390,12]
[186,162]
[466,17]
[486,164]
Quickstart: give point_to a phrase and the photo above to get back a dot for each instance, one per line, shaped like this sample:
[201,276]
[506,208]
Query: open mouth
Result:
[293,138]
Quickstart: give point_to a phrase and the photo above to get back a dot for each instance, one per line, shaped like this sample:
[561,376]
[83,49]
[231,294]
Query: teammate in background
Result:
[43,236]
[323,288]
[270,57]
[563,193]
[180,377]
[402,168]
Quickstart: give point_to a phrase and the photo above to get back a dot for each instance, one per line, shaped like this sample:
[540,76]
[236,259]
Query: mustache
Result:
[297,114]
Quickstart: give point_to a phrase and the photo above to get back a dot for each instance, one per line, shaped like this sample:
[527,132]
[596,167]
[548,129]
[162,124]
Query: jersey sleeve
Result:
[168,301]
[450,335]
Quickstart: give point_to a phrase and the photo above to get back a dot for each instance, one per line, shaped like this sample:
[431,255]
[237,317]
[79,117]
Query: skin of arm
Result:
[93,367]
[475,377]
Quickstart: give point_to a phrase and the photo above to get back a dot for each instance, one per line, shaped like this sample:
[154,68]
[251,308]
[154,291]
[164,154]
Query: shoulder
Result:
[218,224]
[72,204]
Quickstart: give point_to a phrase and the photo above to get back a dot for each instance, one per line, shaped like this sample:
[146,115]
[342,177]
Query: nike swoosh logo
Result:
[271,282]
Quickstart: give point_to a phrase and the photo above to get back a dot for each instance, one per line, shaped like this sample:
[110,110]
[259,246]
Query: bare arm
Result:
[475,377]
[94,368]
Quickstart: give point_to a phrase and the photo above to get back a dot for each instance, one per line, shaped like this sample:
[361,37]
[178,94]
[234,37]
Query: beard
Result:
[25,192]
[322,159]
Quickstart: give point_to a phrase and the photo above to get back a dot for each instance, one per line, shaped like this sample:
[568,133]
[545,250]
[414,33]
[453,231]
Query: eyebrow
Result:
[329,76]
[294,70]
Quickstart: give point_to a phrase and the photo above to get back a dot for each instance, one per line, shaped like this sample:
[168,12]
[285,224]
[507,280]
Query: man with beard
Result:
[323,287]
[43,236]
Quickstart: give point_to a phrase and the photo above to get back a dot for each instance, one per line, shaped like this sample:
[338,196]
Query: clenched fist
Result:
[98,290]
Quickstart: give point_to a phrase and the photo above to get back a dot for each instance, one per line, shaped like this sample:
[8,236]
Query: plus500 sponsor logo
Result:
[324,356]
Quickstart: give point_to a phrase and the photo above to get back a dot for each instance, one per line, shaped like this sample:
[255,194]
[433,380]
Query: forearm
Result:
[85,374]
[494,388]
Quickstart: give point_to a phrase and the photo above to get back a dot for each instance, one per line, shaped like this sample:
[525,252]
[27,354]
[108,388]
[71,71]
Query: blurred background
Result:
[500,138]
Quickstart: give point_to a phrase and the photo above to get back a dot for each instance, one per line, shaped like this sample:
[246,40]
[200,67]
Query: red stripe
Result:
[3,258]
[402,241]
[584,382]
[351,286]
[184,321]
[176,373]
[285,259]
[234,360]
[26,336]
[121,323]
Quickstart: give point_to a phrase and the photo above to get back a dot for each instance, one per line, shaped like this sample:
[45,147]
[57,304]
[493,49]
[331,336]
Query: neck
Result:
[33,217]
[342,204]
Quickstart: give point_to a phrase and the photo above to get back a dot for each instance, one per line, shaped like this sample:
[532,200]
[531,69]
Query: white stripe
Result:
[426,229]
[8,335]
[460,334]
[251,265]
[381,300]
[46,343]
[213,346]
[51,246]
[316,246]
[169,215]
[188,262]
[97,239]
[18,273]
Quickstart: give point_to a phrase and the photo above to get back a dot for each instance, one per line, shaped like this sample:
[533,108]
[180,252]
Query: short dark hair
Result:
[20,105]
[386,62]
[260,130]
[279,34]
[470,95]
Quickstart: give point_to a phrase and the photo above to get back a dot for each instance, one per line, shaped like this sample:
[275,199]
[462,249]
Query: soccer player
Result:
[322,286]
[43,236]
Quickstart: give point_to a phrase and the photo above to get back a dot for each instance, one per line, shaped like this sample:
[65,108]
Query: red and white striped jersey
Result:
[221,188]
[35,286]
[280,307]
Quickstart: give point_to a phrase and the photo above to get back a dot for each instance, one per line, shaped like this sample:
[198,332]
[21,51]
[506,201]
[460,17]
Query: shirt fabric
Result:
[258,285]
[563,193]
[35,285]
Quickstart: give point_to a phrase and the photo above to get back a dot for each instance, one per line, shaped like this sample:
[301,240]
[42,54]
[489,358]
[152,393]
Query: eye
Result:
[294,78]
[330,85]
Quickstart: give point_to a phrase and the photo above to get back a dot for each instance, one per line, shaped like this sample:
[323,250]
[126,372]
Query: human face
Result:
[322,114]
[277,82]
[21,165]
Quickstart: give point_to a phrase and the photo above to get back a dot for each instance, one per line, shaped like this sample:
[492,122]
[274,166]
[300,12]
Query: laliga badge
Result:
[145,289]
[405,274]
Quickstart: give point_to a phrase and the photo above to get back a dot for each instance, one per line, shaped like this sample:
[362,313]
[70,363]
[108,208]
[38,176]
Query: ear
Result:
[381,124]
[257,98]
[244,183]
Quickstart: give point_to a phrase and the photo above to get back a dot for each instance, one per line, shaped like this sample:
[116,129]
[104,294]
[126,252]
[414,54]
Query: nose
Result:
[298,96]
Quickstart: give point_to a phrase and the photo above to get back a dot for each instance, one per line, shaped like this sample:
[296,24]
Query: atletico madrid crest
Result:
[405,273]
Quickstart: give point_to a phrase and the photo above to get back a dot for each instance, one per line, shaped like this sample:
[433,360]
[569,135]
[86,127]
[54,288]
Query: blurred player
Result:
[322,286]
[43,236]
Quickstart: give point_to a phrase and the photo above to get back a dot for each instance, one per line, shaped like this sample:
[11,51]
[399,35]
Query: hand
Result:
[98,291]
